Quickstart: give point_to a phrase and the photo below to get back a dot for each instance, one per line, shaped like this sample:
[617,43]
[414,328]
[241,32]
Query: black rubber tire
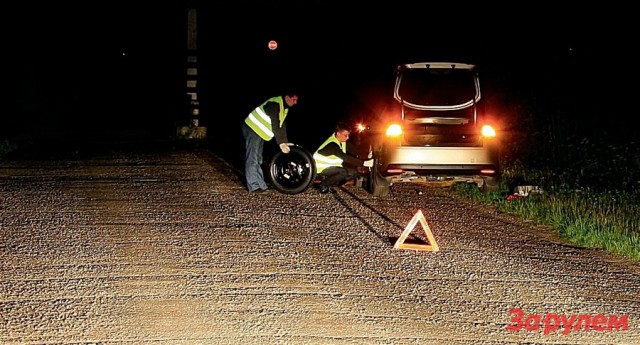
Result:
[293,172]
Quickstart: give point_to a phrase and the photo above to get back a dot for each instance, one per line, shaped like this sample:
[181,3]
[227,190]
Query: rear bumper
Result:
[439,161]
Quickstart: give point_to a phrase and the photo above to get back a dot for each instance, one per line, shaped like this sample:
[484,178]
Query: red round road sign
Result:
[273,45]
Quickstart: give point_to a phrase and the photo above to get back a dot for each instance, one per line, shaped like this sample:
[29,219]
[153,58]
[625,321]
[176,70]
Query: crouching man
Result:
[334,166]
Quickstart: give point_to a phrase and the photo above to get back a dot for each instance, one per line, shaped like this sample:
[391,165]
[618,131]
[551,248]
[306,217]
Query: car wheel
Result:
[293,172]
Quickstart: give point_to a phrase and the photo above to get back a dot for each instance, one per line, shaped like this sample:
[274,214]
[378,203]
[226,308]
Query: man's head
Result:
[342,131]
[291,99]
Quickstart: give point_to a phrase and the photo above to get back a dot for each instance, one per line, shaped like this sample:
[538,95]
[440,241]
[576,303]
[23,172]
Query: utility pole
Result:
[194,130]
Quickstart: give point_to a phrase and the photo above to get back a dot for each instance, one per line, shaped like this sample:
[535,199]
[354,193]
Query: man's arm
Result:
[334,149]
[273,110]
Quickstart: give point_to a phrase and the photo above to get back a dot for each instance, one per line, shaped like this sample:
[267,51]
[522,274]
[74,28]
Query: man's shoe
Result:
[259,191]
[324,189]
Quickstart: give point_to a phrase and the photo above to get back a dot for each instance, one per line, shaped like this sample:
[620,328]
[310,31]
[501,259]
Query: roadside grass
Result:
[601,214]
[587,165]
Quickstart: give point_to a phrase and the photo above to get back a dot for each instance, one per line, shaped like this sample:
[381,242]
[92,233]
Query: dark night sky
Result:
[123,65]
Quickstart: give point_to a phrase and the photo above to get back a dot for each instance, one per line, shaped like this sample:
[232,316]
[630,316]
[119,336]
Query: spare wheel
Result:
[293,172]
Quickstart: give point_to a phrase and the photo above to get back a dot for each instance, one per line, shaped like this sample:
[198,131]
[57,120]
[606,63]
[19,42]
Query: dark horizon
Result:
[117,66]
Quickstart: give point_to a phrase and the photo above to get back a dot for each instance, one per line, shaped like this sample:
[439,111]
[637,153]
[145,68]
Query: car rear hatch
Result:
[439,104]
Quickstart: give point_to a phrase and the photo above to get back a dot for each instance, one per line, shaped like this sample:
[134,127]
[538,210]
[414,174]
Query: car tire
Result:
[293,172]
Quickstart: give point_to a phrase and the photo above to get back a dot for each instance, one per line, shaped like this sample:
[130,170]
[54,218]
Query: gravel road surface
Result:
[114,245]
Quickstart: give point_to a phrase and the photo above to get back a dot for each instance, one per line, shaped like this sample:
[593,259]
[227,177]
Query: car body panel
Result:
[439,158]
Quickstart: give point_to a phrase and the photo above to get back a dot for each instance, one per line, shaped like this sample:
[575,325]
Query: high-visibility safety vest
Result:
[260,121]
[323,162]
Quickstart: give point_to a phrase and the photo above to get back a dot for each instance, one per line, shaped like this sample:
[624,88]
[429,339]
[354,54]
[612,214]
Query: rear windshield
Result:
[435,87]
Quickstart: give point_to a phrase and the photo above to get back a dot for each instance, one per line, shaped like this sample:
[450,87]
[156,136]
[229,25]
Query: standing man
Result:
[262,124]
[333,164]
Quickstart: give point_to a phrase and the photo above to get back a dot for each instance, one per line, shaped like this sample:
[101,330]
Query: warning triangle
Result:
[418,217]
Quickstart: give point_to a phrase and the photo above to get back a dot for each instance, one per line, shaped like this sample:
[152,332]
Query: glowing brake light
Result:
[394,130]
[488,171]
[488,131]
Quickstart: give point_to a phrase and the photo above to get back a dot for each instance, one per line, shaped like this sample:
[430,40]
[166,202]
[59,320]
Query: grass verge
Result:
[605,220]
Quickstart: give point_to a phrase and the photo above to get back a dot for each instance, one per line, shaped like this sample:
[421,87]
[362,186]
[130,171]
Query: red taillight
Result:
[488,131]
[487,171]
[394,171]
[394,130]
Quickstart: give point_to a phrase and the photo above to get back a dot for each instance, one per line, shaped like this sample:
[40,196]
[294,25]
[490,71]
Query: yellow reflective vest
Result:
[323,162]
[260,121]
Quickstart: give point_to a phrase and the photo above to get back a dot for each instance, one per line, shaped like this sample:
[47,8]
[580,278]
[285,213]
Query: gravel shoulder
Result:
[167,247]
